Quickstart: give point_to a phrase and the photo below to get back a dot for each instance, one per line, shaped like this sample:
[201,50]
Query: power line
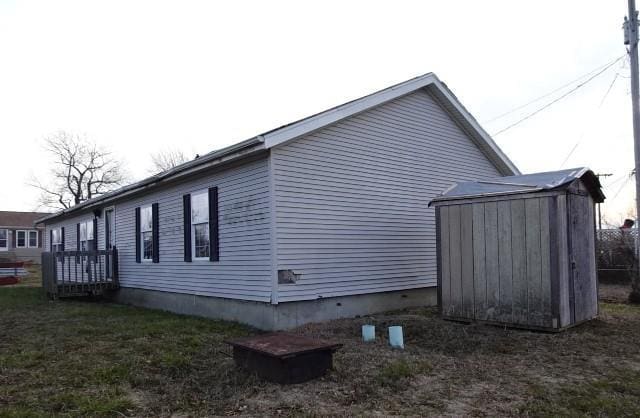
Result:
[558,98]
[622,187]
[554,91]
[591,120]
[618,180]
[570,153]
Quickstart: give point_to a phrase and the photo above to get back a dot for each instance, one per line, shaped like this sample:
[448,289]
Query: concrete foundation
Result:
[276,317]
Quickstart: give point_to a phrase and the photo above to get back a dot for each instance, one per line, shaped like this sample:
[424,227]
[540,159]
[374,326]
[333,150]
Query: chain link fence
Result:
[616,254]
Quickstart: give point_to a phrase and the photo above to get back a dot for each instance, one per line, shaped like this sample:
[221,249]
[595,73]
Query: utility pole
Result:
[631,39]
[599,211]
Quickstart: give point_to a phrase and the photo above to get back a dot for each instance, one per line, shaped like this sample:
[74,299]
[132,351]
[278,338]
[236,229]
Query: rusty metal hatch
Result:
[284,358]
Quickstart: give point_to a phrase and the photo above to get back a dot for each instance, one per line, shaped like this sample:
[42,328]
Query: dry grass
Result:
[34,279]
[75,358]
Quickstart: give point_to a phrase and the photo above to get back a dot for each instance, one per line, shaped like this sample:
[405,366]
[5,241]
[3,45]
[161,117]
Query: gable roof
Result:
[310,124]
[12,219]
[526,183]
[429,81]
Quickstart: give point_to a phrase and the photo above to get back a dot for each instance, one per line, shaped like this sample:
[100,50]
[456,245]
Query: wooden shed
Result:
[519,250]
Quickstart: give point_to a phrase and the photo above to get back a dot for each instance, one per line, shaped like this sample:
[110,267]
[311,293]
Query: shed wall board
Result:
[351,200]
[505,261]
[548,271]
[519,254]
[534,261]
[492,265]
[455,259]
[560,235]
[466,251]
[479,262]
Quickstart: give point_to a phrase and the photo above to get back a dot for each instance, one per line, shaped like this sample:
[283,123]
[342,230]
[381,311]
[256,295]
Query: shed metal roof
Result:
[525,183]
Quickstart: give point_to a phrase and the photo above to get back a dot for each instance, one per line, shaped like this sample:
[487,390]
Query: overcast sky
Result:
[141,76]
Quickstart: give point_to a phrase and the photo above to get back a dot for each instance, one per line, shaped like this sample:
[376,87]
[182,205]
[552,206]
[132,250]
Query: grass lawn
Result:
[80,358]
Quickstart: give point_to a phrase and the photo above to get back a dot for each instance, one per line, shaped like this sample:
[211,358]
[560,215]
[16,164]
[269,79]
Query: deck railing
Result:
[77,273]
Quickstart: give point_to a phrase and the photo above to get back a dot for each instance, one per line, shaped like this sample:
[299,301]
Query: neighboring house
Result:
[20,238]
[323,218]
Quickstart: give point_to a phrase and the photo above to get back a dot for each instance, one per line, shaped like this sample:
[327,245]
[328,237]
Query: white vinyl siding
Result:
[244,269]
[351,199]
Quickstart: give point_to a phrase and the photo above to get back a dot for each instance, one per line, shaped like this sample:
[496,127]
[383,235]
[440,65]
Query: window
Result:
[26,239]
[33,239]
[86,236]
[4,240]
[21,239]
[56,240]
[146,232]
[109,229]
[200,225]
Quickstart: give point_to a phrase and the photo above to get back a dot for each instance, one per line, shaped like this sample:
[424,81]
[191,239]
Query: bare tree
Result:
[167,159]
[81,170]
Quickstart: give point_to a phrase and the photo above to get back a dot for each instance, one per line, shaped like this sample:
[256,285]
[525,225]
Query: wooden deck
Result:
[79,273]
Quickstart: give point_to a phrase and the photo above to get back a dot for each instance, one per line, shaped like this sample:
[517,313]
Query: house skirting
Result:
[283,316]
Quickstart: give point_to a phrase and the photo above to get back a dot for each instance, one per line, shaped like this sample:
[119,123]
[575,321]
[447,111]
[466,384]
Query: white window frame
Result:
[86,227]
[29,238]
[144,209]
[112,209]
[24,231]
[193,225]
[6,235]
[56,241]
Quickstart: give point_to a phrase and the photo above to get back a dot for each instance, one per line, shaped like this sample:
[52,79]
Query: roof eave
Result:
[225,155]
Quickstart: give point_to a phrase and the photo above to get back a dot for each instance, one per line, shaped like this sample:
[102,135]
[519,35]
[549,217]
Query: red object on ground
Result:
[12,264]
[8,280]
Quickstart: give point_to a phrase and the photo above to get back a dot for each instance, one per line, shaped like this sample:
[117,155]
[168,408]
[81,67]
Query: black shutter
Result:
[186,210]
[51,240]
[106,231]
[138,257]
[95,240]
[214,246]
[155,233]
[62,238]
[77,243]
[95,234]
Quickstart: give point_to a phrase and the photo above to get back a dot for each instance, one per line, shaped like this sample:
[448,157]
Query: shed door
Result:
[583,292]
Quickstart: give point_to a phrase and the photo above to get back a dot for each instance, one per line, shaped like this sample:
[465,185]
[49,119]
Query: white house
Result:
[323,218]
